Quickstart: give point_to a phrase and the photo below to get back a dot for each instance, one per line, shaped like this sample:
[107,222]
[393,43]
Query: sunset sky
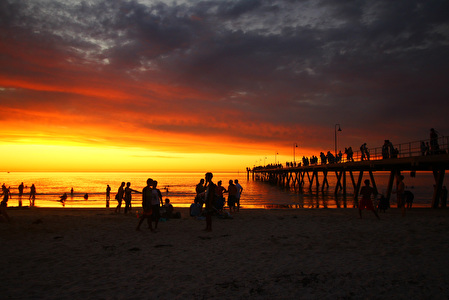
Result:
[215,85]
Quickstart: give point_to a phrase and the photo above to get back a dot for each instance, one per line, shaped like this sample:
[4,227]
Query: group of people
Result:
[151,204]
[20,188]
[404,198]
[234,192]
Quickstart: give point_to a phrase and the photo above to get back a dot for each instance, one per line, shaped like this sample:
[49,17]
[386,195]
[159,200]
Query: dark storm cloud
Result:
[375,66]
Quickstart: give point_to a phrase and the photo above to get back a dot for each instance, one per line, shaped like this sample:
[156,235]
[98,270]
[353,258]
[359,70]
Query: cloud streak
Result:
[245,72]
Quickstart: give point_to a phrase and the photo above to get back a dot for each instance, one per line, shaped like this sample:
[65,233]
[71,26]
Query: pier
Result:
[410,157]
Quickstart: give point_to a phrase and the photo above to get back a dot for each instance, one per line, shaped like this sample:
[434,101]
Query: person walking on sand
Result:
[210,197]
[4,203]
[108,195]
[400,193]
[32,198]
[119,197]
[156,201]
[128,197]
[147,195]
[239,193]
[366,202]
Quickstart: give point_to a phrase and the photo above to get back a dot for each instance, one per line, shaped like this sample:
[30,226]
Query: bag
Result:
[116,197]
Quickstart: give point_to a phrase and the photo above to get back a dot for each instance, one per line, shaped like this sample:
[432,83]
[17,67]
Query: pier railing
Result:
[409,149]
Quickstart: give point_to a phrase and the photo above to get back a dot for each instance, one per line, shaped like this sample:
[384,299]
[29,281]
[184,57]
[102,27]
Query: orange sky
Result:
[138,86]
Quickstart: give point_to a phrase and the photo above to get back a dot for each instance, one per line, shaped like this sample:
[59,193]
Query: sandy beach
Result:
[259,254]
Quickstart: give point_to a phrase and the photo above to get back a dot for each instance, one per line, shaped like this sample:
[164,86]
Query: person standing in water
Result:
[32,195]
[128,197]
[108,195]
[119,197]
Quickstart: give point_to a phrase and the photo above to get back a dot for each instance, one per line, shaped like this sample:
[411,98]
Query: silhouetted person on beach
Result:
[147,195]
[168,209]
[400,193]
[239,193]
[156,202]
[232,196]
[4,203]
[210,197]
[32,198]
[408,198]
[200,189]
[128,197]
[108,195]
[220,191]
[366,202]
[119,197]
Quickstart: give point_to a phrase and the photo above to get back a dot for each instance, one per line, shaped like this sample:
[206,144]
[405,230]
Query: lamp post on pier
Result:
[264,161]
[339,129]
[295,145]
[275,158]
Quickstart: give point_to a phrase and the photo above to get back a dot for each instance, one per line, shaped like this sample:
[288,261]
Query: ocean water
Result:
[180,189]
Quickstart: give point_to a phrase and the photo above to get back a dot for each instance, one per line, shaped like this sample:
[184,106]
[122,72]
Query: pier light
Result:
[339,129]
[295,145]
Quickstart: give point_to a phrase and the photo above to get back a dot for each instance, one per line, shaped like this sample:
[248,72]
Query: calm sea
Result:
[180,189]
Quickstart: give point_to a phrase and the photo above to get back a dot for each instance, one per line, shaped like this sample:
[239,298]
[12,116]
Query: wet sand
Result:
[57,253]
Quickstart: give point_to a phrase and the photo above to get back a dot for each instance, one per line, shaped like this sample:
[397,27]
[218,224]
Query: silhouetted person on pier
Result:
[386,150]
[434,147]
[364,152]
[323,158]
[330,157]
[423,148]
[365,201]
[339,156]
[349,154]
[395,153]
